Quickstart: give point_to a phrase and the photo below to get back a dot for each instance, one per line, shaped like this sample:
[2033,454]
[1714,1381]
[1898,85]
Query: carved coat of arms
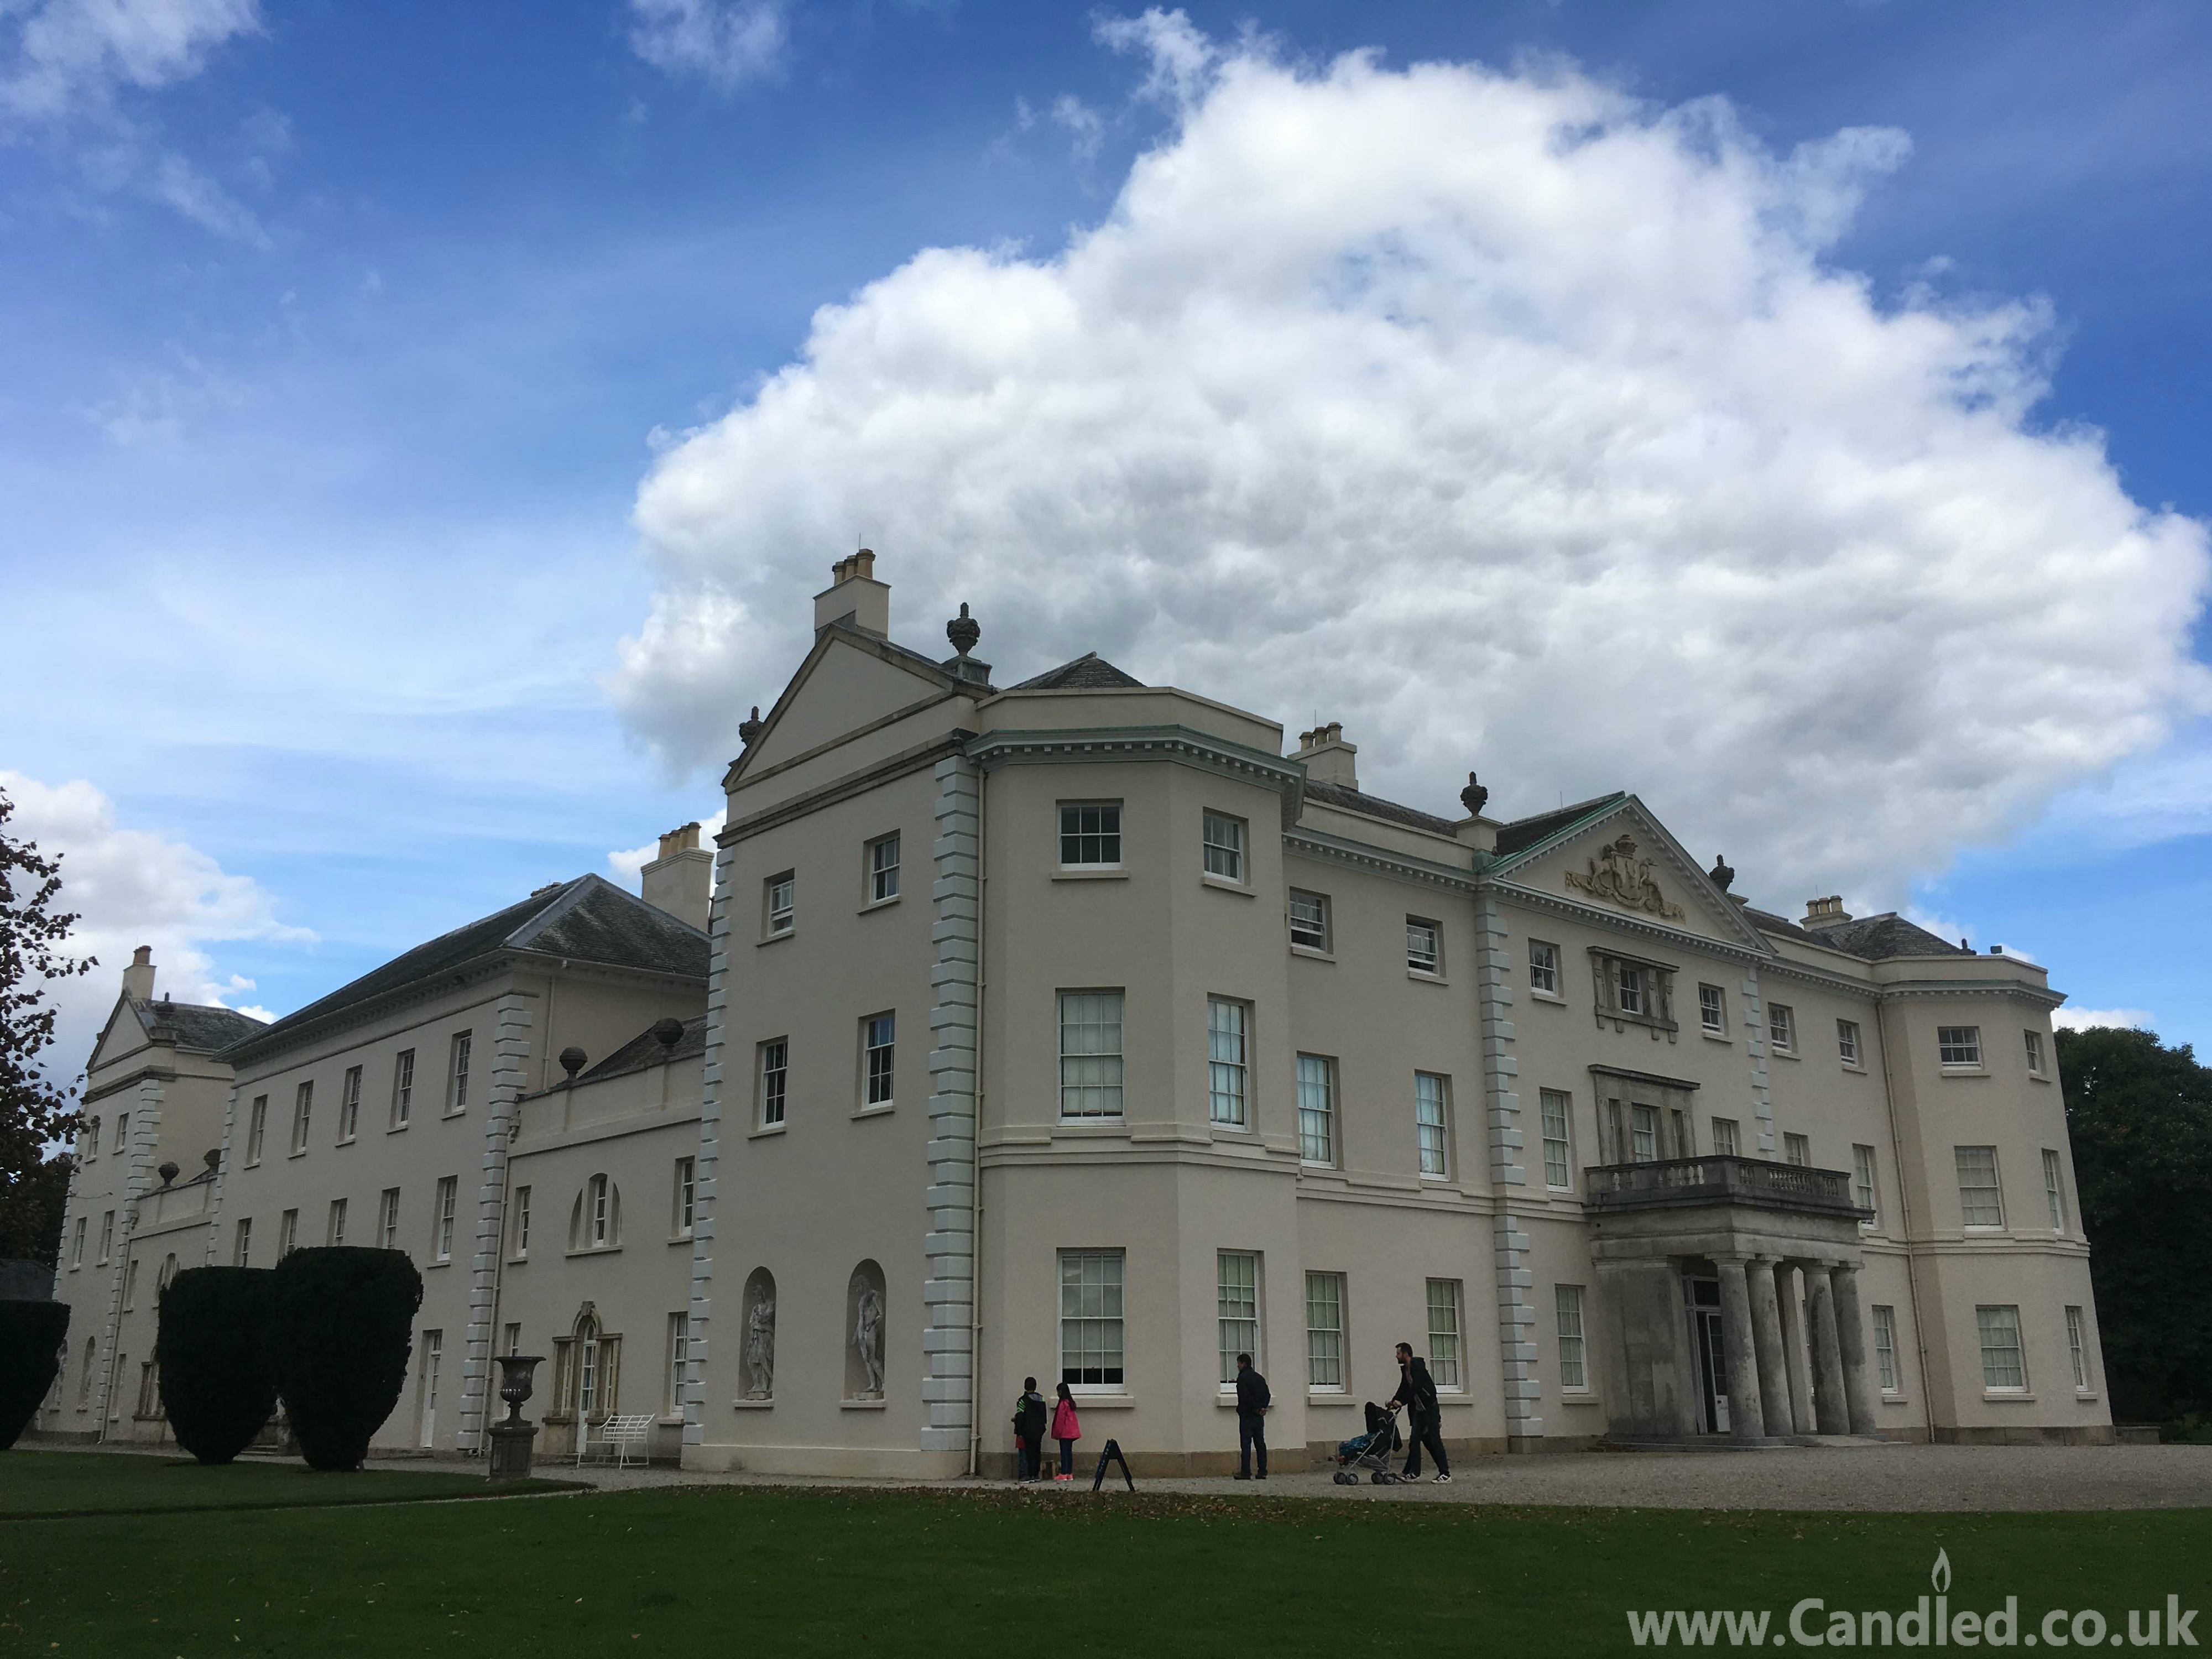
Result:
[1616,873]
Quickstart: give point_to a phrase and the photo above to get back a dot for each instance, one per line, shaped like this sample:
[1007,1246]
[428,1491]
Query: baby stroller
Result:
[1370,1451]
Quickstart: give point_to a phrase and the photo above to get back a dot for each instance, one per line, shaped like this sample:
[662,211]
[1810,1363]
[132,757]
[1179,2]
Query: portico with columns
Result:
[1728,1300]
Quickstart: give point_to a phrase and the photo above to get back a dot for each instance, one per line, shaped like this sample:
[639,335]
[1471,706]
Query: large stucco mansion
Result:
[1079,1028]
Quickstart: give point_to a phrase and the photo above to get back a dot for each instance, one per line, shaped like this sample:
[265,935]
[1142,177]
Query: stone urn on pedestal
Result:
[511,1438]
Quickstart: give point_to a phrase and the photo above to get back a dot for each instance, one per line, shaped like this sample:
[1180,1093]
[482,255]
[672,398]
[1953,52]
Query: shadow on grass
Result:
[57,1485]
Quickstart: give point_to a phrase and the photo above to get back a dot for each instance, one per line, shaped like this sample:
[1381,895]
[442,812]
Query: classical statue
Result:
[868,1336]
[760,1345]
[1618,874]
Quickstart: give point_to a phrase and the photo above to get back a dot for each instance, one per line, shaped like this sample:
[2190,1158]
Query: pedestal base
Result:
[511,1445]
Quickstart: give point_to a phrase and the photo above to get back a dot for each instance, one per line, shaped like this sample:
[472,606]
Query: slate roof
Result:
[644,1049]
[198,1027]
[1872,937]
[1359,800]
[588,919]
[1523,833]
[1088,672]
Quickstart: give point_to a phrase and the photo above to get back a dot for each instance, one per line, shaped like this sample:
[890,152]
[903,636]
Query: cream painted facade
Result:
[1086,1029]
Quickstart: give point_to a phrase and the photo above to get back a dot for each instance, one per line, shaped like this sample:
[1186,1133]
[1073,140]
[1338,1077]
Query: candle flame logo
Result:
[1940,1576]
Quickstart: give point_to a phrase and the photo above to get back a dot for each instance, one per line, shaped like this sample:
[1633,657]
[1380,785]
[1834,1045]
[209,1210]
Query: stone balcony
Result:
[1754,1183]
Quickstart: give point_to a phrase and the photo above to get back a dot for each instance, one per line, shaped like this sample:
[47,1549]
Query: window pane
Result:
[2002,1366]
[1778,1026]
[1091,1053]
[1316,1109]
[1796,1149]
[1090,835]
[1443,1333]
[1643,1133]
[2077,1343]
[1556,1151]
[1543,967]
[1226,1062]
[1237,1310]
[878,1050]
[883,869]
[1862,1187]
[1631,983]
[1724,1137]
[1712,1009]
[1981,1203]
[1847,1041]
[1324,1331]
[1225,847]
[775,1081]
[1959,1045]
[1573,1368]
[1421,951]
[1885,1346]
[1308,920]
[1428,1120]
[2053,1193]
[1090,1322]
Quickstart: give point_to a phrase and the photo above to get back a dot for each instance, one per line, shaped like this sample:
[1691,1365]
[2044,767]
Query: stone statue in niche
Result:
[868,1335]
[760,1345]
[1616,873]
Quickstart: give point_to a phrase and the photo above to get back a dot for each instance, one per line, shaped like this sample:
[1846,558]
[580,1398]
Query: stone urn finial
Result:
[750,729]
[167,1172]
[964,630]
[1720,874]
[1474,797]
[572,1060]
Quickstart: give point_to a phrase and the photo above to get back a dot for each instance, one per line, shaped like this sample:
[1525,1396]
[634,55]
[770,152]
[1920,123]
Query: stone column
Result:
[1766,1337]
[1747,1421]
[1852,1348]
[1793,1345]
[1828,1408]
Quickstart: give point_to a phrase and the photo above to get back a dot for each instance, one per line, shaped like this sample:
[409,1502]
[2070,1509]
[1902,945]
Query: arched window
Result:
[589,1362]
[595,1223]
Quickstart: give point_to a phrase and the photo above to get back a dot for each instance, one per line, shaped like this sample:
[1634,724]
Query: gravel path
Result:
[1856,1478]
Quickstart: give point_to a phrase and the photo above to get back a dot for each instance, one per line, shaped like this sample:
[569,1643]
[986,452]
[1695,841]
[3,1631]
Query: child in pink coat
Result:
[1068,1431]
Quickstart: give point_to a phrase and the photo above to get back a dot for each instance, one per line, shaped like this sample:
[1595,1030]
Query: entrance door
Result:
[1709,1352]
[434,1346]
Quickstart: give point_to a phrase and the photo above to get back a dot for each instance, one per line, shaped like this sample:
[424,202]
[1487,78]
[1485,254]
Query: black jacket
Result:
[1029,1417]
[1417,1392]
[1252,1396]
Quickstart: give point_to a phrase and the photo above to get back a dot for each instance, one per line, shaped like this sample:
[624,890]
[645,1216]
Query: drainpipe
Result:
[1905,1215]
[975,1155]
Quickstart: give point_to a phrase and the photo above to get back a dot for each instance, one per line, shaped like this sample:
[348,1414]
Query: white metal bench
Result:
[619,1440]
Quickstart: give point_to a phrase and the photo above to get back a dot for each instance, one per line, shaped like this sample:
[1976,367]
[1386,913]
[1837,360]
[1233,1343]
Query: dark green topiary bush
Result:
[218,1385]
[341,1326]
[31,1334]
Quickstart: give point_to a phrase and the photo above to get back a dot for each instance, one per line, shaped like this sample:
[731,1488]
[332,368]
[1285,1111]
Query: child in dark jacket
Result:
[1029,1429]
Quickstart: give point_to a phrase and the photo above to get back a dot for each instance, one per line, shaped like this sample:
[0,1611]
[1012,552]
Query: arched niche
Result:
[757,1351]
[595,1219]
[866,1311]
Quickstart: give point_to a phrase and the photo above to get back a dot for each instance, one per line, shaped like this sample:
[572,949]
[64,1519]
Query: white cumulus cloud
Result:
[65,57]
[2081,1019]
[1517,423]
[727,42]
[627,864]
[132,887]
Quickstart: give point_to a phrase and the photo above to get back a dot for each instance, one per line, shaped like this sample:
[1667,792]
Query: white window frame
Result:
[403,1088]
[456,1086]
[334,1223]
[1424,947]
[2054,1189]
[2002,1320]
[1104,1314]
[1798,1150]
[883,869]
[1222,842]
[1643,1133]
[521,1249]
[1728,1138]
[106,1238]
[303,1109]
[1316,1087]
[257,1129]
[1317,928]
[1432,1124]
[1712,1010]
[1544,967]
[241,1248]
[1446,1298]
[387,1220]
[779,904]
[1555,1120]
[288,1236]
[1628,988]
[349,1105]
[1781,1027]
[1866,1190]
[76,1252]
[772,1082]
[679,1360]
[1847,1041]
[1960,1159]
[441,1227]
[598,1212]
[1885,1347]
[1959,1048]
[2034,1040]
[1091,1074]
[2077,1346]
[1236,1311]
[1101,835]
[878,1061]
[1228,1063]
[1324,1345]
[1573,1337]
[685,1201]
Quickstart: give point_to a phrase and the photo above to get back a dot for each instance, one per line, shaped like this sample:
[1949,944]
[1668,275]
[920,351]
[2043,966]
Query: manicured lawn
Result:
[55,1484]
[782,1572]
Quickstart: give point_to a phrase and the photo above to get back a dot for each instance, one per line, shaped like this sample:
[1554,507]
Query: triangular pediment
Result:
[122,1035]
[849,680]
[1620,860]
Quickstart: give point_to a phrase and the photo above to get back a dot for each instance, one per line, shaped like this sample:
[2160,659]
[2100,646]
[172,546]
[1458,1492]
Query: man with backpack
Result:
[1029,1429]
[1417,1393]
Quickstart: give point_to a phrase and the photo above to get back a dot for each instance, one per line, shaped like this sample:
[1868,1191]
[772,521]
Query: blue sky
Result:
[383,390]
